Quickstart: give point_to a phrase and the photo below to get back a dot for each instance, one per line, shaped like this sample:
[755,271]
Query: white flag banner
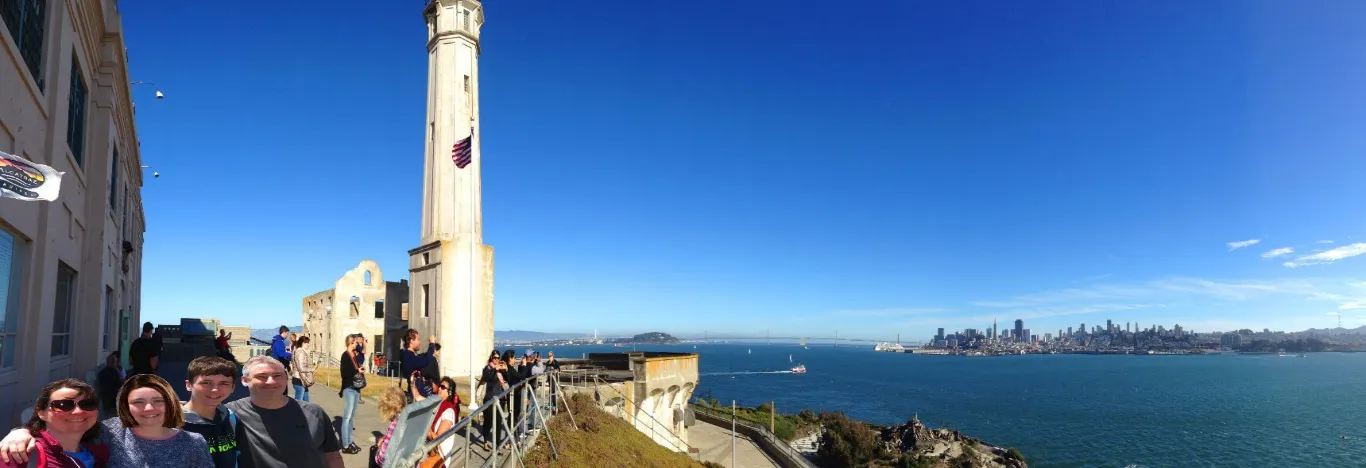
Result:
[26,180]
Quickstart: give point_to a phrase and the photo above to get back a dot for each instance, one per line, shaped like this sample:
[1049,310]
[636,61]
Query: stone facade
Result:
[70,269]
[452,270]
[359,302]
[650,390]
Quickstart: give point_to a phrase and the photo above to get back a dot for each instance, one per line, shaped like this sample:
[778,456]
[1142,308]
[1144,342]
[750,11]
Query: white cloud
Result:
[1329,256]
[1278,252]
[1178,290]
[1240,244]
[1353,305]
[1324,242]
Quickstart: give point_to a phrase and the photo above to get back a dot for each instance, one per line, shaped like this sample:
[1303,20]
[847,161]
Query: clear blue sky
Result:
[876,167]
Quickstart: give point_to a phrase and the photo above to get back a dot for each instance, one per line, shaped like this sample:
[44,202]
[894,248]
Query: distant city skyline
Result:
[922,165]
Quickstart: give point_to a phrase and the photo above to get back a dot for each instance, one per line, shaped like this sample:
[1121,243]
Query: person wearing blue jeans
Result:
[301,369]
[350,361]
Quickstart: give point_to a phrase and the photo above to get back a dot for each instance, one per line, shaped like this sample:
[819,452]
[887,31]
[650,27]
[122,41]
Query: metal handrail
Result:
[412,459]
[759,427]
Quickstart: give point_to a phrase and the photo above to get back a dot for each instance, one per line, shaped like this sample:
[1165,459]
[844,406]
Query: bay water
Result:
[1069,410]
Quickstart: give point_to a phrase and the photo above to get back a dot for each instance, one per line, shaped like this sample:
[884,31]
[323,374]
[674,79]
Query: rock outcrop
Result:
[946,447]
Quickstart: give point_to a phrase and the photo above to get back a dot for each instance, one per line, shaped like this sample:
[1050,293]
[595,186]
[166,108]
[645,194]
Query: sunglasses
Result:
[67,406]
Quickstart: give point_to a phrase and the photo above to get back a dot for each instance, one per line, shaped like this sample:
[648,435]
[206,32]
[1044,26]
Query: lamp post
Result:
[153,85]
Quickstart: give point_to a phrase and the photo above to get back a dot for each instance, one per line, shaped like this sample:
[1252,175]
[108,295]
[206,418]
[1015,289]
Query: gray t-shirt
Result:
[127,450]
[298,435]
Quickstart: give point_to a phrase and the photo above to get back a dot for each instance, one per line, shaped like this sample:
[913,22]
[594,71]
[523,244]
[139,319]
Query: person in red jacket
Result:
[63,424]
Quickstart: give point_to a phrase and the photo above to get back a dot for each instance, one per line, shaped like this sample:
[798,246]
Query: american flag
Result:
[463,152]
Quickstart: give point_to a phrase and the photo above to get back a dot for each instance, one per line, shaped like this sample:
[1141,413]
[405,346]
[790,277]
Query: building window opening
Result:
[107,339]
[10,273]
[379,309]
[367,277]
[426,301]
[114,184]
[25,20]
[75,104]
[61,317]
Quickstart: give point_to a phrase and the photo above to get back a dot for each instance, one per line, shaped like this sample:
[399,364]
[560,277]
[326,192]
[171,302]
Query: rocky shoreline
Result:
[845,442]
[947,447]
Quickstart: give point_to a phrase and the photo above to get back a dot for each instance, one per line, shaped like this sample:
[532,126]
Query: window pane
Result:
[114,180]
[61,320]
[9,298]
[7,318]
[75,125]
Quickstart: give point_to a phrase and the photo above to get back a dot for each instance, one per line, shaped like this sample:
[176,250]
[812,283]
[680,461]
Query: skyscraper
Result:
[1019,330]
[1109,327]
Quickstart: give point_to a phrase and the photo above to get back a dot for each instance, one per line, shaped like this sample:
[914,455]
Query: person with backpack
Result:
[211,380]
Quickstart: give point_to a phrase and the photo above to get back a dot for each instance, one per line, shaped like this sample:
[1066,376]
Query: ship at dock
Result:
[890,347]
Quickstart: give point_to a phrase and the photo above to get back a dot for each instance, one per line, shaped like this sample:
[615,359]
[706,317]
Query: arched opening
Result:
[367,277]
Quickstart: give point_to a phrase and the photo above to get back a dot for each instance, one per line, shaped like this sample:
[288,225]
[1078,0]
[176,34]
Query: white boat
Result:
[890,347]
[800,369]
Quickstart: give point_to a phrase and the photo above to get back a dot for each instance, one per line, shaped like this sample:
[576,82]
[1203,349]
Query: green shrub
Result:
[845,443]
[911,461]
[1014,453]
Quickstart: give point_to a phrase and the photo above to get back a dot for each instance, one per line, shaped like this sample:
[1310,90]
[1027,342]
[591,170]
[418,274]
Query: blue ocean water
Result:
[1072,410]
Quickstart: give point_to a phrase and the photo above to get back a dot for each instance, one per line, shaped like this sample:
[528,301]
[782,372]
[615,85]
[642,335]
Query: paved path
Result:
[714,444]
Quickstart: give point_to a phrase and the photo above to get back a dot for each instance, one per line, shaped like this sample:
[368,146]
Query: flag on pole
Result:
[463,152]
[26,180]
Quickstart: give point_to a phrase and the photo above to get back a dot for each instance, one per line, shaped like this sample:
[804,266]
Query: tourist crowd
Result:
[134,419]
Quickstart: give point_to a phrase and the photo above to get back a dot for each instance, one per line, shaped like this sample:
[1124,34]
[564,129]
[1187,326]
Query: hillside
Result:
[649,338]
[601,441]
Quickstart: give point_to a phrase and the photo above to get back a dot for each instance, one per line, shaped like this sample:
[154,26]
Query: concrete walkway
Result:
[714,444]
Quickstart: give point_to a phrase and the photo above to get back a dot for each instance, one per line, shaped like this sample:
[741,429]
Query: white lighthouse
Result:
[451,271]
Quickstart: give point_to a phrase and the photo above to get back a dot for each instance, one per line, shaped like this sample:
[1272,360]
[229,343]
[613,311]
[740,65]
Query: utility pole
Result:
[732,434]
[772,416]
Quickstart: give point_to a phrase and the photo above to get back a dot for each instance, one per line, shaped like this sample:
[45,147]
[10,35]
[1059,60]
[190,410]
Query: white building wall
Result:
[79,229]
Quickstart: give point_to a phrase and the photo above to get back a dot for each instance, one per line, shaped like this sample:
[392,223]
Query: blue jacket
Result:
[279,348]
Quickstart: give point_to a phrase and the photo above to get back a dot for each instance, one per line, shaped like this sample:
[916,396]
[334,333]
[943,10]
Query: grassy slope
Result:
[601,441]
[375,385]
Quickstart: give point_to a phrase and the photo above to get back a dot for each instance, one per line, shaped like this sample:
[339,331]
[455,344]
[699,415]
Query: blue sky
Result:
[876,167]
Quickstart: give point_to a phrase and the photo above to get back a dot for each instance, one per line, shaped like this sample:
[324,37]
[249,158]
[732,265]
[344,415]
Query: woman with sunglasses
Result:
[63,426]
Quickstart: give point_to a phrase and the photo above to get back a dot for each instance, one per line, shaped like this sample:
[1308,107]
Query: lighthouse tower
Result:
[451,271]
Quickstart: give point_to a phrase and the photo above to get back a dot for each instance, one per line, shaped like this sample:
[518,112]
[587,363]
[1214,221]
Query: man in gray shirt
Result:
[276,431]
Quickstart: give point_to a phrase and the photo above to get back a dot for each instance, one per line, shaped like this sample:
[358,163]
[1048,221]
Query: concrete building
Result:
[452,270]
[359,302]
[650,390]
[70,269]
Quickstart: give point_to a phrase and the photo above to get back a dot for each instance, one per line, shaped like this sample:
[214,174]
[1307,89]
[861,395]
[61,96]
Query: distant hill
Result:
[525,336]
[1337,331]
[265,335]
[649,338]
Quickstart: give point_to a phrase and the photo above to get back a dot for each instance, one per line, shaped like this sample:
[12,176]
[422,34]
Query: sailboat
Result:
[804,343]
[789,359]
[749,351]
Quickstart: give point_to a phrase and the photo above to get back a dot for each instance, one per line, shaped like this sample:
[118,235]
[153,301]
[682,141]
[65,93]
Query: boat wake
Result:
[748,372]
